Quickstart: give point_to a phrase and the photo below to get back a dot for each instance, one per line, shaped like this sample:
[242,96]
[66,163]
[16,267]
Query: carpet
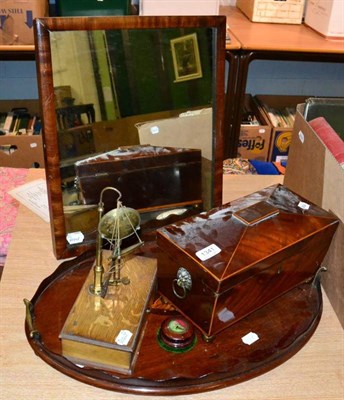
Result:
[10,178]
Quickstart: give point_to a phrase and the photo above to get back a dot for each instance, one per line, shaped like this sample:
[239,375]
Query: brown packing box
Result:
[17,20]
[314,173]
[21,151]
[191,129]
[24,151]
[254,140]
[280,137]
[188,129]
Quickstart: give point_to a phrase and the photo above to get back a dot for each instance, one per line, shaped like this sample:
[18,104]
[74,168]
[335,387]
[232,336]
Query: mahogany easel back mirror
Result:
[103,84]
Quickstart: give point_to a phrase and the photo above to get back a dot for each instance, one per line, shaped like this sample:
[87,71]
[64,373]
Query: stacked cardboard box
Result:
[17,20]
[280,112]
[255,132]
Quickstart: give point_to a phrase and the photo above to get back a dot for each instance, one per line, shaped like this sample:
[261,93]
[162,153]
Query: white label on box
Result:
[301,137]
[250,338]
[208,252]
[304,206]
[281,158]
[32,145]
[123,337]
[154,130]
[261,130]
[75,237]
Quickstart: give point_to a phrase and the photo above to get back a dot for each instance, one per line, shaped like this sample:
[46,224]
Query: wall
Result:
[18,79]
[295,77]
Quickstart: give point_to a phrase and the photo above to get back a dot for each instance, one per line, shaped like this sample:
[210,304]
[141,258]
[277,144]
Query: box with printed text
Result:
[17,20]
[255,132]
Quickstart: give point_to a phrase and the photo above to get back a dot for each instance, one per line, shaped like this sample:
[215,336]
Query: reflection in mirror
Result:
[134,103]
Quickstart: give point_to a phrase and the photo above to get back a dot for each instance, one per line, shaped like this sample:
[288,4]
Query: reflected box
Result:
[149,177]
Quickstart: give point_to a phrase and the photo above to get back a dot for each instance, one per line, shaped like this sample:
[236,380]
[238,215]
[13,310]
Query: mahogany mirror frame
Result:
[42,29]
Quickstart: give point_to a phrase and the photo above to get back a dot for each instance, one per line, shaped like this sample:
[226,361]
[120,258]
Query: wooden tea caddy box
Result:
[154,168]
[220,266]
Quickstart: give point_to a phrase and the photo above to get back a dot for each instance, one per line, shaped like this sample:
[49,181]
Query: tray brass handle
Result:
[32,332]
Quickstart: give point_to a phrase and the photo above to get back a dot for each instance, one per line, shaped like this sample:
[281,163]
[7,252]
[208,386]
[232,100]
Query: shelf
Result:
[17,53]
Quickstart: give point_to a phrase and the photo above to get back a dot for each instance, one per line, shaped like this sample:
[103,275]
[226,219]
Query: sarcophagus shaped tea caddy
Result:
[220,266]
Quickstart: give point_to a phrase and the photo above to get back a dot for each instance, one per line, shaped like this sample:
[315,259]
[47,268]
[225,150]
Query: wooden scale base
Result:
[282,327]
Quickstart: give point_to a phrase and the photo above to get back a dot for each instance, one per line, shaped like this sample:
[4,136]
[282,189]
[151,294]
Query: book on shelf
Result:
[280,117]
[8,122]
[19,122]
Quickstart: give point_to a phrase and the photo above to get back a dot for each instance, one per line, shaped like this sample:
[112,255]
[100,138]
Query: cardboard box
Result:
[21,151]
[17,20]
[314,173]
[190,129]
[326,17]
[254,140]
[275,11]
[280,136]
[179,7]
[24,151]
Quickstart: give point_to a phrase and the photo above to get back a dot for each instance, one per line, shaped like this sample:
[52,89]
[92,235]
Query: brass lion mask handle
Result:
[182,284]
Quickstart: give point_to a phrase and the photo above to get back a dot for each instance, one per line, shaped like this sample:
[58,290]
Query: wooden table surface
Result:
[315,373]
[277,37]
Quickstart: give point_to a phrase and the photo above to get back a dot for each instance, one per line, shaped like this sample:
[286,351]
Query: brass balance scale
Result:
[104,325]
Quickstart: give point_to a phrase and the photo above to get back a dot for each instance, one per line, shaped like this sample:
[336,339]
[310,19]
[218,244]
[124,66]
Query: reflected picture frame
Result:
[186,58]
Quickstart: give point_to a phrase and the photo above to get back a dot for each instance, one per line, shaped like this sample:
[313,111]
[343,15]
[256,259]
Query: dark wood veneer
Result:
[283,327]
[43,28]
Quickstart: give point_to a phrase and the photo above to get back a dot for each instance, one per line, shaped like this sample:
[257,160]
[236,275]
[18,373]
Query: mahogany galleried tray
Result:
[282,327]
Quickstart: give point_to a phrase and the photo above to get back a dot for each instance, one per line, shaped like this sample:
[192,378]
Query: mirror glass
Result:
[134,103]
